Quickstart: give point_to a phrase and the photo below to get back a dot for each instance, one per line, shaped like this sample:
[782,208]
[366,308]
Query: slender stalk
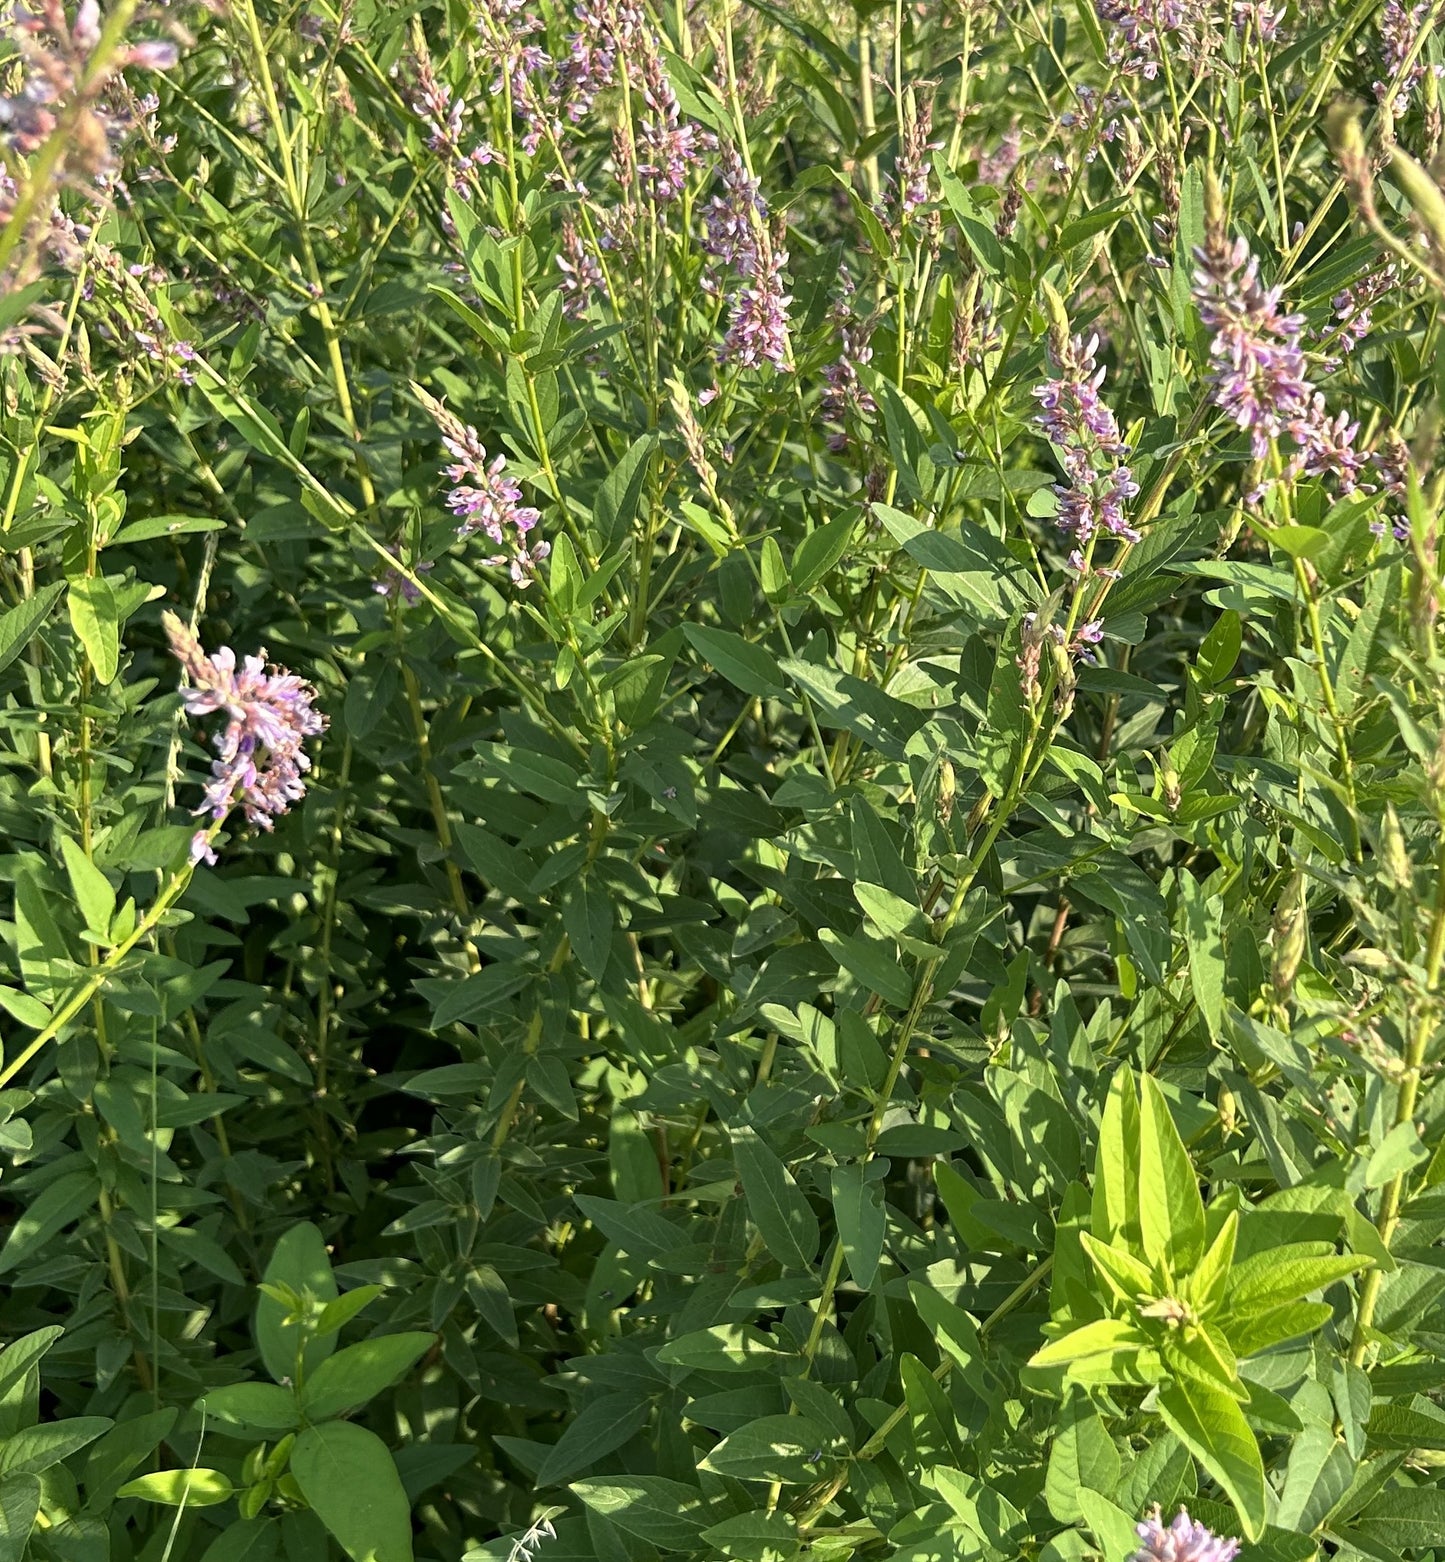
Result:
[1426,1014]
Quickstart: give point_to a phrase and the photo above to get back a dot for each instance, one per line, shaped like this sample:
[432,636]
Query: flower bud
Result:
[1398,868]
[1291,936]
[1058,325]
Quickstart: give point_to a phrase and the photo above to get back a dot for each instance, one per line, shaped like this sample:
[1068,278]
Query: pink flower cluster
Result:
[261,759]
[55,59]
[1083,428]
[1261,379]
[1183,1540]
[484,498]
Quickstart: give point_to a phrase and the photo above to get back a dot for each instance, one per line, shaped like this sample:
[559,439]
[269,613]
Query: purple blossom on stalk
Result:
[1260,377]
[758,330]
[56,73]
[602,28]
[1183,1540]
[484,498]
[1259,14]
[1400,32]
[667,144]
[733,218]
[1141,26]
[911,174]
[392,583]
[582,276]
[1353,306]
[846,392]
[1082,426]
[261,759]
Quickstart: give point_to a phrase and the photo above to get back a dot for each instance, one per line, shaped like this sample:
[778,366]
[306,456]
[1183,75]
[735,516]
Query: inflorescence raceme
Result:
[261,759]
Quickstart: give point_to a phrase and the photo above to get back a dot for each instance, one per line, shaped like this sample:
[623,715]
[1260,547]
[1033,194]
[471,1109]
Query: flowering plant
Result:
[831,941]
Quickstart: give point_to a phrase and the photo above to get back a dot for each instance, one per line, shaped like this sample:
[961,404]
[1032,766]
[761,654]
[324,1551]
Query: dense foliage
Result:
[833,943]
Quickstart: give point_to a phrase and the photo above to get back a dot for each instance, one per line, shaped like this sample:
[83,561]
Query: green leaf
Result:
[19,1507]
[727,1347]
[655,1509]
[1103,1337]
[1114,1216]
[1082,1455]
[772,1448]
[587,917]
[595,1431]
[1202,933]
[617,501]
[894,916]
[360,1372]
[92,890]
[298,1260]
[748,666]
[37,1448]
[348,1476]
[1171,1211]
[1212,1427]
[820,550]
[777,1206]
[1402,1517]
[19,623]
[1111,1526]
[175,1488]
[70,1196]
[862,1221]
[96,621]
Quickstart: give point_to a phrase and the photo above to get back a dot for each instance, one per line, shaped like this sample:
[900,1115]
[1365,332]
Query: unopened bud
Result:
[1291,935]
[1424,195]
[1058,325]
[1396,857]
[1213,208]
[1228,1111]
[947,789]
[1169,787]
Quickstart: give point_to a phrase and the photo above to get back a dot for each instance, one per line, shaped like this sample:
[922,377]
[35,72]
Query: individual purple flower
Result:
[484,498]
[392,583]
[1263,17]
[1184,1540]
[261,760]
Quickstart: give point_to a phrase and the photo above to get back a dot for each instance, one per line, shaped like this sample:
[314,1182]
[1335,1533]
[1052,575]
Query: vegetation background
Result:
[833,944]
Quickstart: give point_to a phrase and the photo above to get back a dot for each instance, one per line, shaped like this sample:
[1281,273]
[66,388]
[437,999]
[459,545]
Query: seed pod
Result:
[947,789]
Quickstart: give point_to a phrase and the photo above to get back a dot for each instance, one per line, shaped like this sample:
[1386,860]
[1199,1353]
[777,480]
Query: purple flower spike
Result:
[484,499]
[1084,429]
[269,715]
[1181,1541]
